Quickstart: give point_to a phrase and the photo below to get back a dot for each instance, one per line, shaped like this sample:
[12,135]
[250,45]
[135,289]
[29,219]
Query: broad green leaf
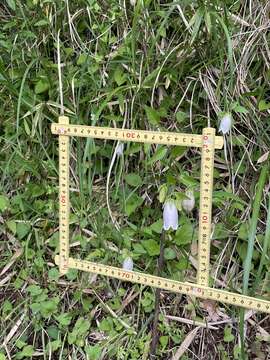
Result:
[163,189]
[139,249]
[184,235]
[27,352]
[93,352]
[64,319]
[228,336]
[169,254]
[82,59]
[263,105]
[157,226]
[4,202]
[133,179]
[133,203]
[180,116]
[153,115]
[151,246]
[119,76]
[41,86]
[159,155]
[11,224]
[23,229]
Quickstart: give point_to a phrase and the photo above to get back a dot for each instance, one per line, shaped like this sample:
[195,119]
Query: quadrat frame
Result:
[208,142]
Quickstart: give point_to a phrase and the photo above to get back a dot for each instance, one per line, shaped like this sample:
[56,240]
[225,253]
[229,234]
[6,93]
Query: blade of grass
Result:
[250,249]
[266,243]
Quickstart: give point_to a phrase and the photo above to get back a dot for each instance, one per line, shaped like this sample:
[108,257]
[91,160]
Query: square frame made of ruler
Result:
[207,141]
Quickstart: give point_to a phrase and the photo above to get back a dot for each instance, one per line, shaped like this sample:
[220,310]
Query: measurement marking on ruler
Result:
[206,186]
[144,136]
[196,290]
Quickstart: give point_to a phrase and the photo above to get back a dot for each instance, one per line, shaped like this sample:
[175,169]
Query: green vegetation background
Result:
[160,65]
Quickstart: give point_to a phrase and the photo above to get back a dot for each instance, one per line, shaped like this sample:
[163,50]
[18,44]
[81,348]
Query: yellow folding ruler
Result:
[208,142]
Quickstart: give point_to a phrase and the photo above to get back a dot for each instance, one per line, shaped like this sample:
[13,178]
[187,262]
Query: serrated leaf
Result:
[153,115]
[151,246]
[184,235]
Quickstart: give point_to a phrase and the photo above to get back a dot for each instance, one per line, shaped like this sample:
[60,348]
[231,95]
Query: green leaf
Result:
[119,76]
[133,179]
[23,229]
[164,340]
[244,231]
[82,59]
[228,336]
[139,249]
[180,116]
[2,356]
[184,235]
[42,22]
[263,105]
[93,352]
[27,351]
[41,86]
[163,189]
[157,226]
[159,155]
[54,274]
[169,254]
[4,203]
[239,108]
[64,319]
[11,4]
[133,203]
[153,115]
[11,224]
[151,246]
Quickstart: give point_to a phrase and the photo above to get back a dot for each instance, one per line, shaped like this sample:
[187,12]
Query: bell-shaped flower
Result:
[188,204]
[225,123]
[119,149]
[127,264]
[170,216]
[132,2]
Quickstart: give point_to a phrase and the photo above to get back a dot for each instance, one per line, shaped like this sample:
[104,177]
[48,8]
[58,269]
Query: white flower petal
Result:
[170,216]
[128,264]
[188,204]
[119,149]
[225,123]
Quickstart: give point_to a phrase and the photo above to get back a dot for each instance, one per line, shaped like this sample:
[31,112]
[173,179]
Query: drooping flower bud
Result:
[119,149]
[170,216]
[188,204]
[132,2]
[128,264]
[225,123]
